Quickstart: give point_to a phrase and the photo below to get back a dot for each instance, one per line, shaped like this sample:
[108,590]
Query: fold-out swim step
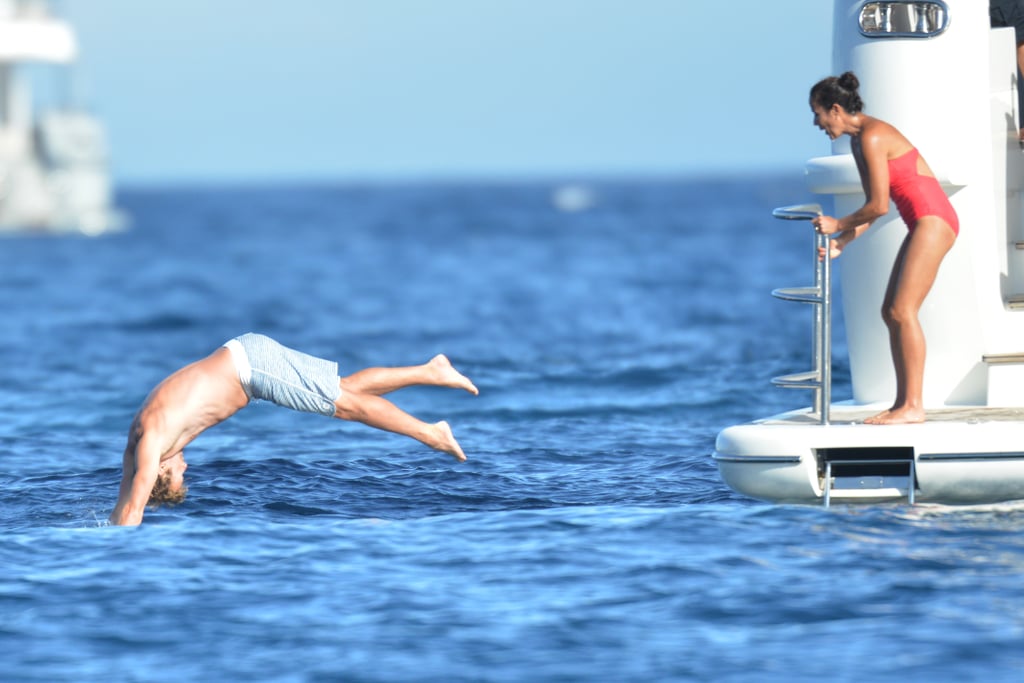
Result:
[860,474]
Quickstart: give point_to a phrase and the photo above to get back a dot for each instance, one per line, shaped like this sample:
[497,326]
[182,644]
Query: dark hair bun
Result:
[848,81]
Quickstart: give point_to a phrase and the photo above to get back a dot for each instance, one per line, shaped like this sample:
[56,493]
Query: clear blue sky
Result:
[238,90]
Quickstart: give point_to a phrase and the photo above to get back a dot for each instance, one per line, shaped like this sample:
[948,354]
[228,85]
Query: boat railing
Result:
[819,378]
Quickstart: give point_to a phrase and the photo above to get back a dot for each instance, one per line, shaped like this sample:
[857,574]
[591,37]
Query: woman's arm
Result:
[870,153]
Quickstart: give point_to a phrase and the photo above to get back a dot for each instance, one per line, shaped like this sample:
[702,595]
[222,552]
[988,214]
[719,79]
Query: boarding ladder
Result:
[819,378]
[849,473]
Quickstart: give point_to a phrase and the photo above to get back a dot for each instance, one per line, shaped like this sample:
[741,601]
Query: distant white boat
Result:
[54,173]
[573,198]
[940,74]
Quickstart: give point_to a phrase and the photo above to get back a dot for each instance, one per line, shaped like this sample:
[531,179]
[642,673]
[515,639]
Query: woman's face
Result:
[828,120]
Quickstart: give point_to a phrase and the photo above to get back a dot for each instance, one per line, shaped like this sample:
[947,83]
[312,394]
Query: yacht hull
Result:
[958,456]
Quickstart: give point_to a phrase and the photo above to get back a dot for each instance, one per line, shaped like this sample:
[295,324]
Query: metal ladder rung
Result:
[799,380]
[867,494]
[807,295]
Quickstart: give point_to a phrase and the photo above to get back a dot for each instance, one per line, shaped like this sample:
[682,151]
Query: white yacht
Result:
[54,174]
[940,73]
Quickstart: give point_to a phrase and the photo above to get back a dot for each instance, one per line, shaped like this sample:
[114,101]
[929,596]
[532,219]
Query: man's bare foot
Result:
[897,416]
[446,441]
[447,376]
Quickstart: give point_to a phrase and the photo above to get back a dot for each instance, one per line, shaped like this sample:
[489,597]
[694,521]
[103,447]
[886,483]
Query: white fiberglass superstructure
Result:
[54,174]
[938,72]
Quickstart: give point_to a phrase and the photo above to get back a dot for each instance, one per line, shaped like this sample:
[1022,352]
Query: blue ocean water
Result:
[588,537]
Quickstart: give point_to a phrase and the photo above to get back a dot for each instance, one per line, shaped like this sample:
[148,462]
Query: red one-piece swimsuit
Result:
[917,195]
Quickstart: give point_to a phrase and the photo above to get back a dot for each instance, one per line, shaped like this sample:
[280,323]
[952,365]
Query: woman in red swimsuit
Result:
[890,167]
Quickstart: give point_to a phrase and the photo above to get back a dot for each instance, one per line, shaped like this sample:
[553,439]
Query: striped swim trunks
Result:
[288,378]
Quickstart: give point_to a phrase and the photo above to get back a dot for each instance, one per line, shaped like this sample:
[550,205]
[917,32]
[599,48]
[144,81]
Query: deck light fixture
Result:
[903,19]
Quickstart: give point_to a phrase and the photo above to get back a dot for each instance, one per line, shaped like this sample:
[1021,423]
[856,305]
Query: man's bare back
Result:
[208,391]
[179,409]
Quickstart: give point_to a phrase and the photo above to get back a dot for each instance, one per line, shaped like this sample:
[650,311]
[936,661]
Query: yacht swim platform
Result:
[856,414]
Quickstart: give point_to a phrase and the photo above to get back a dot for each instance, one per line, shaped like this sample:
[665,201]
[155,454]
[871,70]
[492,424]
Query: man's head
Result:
[170,486]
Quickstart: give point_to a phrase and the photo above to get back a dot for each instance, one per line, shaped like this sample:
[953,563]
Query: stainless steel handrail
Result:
[820,296]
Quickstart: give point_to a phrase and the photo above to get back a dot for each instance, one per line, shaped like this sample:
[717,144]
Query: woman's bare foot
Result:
[876,419]
[447,376]
[897,416]
[446,441]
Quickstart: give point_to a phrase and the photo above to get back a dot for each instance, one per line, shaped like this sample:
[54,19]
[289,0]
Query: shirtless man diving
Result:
[213,389]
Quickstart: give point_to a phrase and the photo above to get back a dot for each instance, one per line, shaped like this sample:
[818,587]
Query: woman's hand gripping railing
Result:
[820,296]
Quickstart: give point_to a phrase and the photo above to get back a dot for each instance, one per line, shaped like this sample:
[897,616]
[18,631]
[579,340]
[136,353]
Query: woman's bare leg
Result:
[437,372]
[894,351]
[913,276]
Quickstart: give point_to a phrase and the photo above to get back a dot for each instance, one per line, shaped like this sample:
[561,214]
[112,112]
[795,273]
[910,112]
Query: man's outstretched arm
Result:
[140,468]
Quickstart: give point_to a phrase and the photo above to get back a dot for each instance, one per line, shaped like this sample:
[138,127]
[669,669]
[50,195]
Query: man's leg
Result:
[438,372]
[381,413]
[361,401]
